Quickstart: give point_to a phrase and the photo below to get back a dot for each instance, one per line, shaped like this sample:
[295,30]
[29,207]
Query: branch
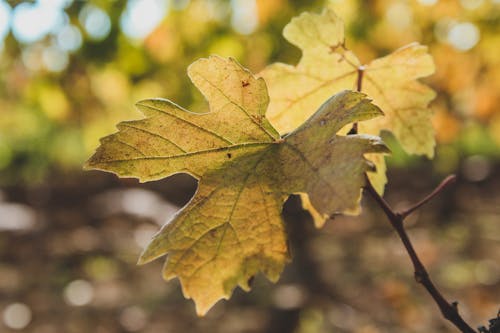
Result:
[449,310]
[447,181]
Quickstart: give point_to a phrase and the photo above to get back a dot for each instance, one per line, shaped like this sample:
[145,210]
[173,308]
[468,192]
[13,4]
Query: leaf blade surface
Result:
[232,228]
[327,67]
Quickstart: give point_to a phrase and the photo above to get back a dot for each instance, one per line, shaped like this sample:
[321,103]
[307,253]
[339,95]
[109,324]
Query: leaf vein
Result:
[131,146]
[205,151]
[201,128]
[155,135]
[262,128]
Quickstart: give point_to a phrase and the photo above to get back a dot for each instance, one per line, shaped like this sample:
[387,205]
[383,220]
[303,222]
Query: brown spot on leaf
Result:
[336,47]
[245,83]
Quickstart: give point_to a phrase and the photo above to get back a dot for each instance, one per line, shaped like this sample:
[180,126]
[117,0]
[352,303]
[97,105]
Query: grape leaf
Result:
[327,67]
[232,228]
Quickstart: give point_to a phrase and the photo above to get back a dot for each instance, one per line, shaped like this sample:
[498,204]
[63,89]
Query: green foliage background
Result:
[50,121]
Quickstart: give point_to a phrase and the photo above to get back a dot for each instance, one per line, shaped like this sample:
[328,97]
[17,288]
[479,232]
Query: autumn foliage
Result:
[232,228]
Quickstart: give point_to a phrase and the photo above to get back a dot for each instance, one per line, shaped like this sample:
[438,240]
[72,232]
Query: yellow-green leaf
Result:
[232,228]
[327,67]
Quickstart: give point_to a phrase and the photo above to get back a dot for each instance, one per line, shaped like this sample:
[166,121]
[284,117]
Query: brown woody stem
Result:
[449,310]
[359,83]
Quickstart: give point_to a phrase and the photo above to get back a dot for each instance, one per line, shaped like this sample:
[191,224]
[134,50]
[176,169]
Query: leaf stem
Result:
[448,310]
[361,71]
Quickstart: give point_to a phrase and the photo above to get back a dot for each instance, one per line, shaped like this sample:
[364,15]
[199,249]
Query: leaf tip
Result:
[378,145]
[146,256]
[86,166]
[376,110]
[141,261]
[201,310]
[204,304]
[90,164]
[145,103]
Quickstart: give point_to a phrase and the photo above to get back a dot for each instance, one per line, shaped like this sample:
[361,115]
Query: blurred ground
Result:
[72,261]
[70,70]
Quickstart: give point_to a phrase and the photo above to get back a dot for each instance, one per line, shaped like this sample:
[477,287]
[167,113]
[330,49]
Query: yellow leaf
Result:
[327,67]
[232,228]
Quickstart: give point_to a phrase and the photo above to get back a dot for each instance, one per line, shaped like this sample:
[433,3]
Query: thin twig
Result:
[449,310]
[447,181]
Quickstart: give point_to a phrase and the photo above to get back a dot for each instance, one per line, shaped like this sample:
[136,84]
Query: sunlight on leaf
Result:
[232,228]
[327,67]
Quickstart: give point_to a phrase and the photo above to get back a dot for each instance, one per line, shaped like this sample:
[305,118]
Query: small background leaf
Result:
[327,67]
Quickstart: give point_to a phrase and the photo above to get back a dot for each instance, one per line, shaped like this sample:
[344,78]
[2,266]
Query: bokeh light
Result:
[142,16]
[32,57]
[17,316]
[476,168]
[463,36]
[55,59]
[245,18]
[33,21]
[15,216]
[289,296]
[56,3]
[95,21]
[133,319]
[5,12]
[79,293]
[69,38]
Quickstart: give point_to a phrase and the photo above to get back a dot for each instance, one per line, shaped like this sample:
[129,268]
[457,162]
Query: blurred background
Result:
[69,240]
